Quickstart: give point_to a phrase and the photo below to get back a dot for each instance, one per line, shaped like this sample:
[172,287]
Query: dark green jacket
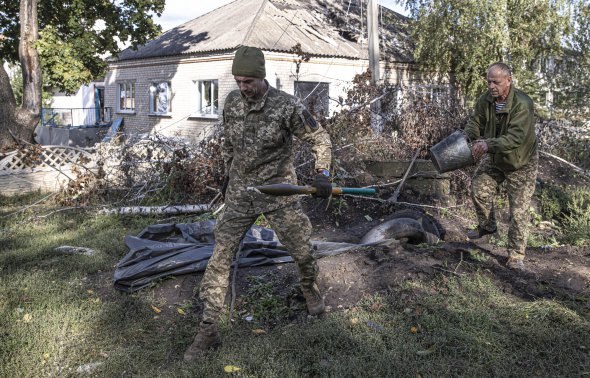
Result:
[510,134]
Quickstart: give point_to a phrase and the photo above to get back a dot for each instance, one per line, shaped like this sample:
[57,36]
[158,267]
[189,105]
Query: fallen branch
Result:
[393,198]
[460,262]
[575,167]
[443,208]
[386,184]
[148,210]
[447,271]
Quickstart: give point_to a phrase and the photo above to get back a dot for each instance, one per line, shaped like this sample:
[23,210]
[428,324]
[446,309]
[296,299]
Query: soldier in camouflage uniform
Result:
[503,130]
[259,125]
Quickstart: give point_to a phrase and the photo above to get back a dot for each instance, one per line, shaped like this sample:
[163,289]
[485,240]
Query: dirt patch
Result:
[561,272]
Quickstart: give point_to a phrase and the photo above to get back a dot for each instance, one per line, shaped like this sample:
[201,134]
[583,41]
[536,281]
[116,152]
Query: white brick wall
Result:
[183,71]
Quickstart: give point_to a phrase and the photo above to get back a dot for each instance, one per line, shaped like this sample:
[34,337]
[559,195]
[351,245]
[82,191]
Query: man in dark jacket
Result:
[259,125]
[503,130]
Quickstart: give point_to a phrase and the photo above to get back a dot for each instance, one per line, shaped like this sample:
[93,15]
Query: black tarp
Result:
[174,249]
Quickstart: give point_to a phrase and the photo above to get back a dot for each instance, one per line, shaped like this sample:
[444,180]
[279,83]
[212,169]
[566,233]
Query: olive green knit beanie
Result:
[249,61]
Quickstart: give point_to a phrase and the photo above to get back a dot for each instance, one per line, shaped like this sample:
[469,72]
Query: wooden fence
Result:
[43,168]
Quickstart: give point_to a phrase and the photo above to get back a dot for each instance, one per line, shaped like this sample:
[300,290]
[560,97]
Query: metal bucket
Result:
[451,153]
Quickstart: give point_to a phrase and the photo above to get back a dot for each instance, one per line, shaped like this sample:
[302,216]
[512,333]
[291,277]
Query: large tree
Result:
[570,75]
[457,39]
[67,39]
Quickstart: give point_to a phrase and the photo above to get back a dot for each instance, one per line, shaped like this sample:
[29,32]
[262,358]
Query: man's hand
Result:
[322,185]
[479,148]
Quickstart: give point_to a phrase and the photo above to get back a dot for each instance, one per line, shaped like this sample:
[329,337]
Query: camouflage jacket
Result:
[258,147]
[510,133]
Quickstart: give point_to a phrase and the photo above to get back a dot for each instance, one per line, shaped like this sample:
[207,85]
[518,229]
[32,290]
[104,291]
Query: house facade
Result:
[176,84]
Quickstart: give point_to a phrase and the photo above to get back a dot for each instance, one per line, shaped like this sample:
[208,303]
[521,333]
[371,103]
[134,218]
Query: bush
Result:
[576,221]
[569,140]
[570,207]
[553,200]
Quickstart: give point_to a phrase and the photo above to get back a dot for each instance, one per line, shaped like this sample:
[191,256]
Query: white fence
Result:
[44,168]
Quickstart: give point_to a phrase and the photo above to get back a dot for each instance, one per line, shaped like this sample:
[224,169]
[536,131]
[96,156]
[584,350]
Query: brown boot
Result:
[207,338]
[515,263]
[314,300]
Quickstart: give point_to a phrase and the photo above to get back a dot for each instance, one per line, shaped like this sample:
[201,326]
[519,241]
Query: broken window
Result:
[435,94]
[160,97]
[207,98]
[127,97]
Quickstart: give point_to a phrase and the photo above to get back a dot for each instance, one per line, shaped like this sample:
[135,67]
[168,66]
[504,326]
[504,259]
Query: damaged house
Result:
[176,84]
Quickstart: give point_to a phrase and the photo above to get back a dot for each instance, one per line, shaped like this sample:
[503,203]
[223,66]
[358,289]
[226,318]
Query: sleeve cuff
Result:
[324,172]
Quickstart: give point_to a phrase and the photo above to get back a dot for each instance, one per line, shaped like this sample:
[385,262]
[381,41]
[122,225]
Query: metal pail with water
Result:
[451,153]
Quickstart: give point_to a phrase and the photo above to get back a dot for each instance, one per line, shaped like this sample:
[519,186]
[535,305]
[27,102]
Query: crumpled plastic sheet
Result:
[172,249]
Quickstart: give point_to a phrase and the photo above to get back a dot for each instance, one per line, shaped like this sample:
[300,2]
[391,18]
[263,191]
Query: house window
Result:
[434,94]
[127,97]
[315,96]
[160,97]
[207,98]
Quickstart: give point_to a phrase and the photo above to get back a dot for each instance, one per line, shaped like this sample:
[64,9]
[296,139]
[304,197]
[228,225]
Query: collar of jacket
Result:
[259,103]
[509,100]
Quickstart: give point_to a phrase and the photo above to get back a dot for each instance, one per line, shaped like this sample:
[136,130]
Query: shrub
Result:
[576,221]
[570,207]
[569,140]
[553,200]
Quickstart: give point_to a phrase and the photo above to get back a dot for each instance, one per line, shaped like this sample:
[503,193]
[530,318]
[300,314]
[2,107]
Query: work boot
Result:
[314,300]
[515,263]
[207,338]
[479,233]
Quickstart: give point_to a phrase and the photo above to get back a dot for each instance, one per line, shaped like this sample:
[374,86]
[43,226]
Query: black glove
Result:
[323,186]
[224,185]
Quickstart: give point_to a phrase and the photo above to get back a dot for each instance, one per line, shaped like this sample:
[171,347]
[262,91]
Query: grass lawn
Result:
[60,316]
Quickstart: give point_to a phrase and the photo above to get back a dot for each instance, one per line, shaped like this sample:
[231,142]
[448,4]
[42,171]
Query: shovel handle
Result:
[288,190]
[362,191]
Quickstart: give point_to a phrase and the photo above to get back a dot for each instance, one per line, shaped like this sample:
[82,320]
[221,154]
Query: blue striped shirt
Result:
[500,106]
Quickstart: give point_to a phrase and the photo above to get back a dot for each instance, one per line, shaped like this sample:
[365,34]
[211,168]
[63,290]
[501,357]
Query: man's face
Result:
[499,83]
[251,87]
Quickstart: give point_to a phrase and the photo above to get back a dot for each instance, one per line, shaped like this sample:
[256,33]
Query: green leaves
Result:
[75,35]
[62,65]
[465,37]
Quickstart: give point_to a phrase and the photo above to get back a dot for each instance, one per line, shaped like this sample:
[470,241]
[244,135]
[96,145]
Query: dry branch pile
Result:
[158,170]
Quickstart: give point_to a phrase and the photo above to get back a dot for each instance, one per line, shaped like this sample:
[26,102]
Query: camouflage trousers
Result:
[293,230]
[520,186]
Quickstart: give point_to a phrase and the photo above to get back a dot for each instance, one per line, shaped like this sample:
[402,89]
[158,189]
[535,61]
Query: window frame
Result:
[126,86]
[153,106]
[432,93]
[199,98]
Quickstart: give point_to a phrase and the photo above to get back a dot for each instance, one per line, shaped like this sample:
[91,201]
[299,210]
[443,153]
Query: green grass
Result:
[60,312]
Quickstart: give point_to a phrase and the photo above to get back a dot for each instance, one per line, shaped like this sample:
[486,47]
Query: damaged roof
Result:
[327,28]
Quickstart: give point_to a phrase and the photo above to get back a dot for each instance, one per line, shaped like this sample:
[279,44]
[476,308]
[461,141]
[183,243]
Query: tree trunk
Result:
[7,111]
[18,124]
[456,93]
[29,57]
